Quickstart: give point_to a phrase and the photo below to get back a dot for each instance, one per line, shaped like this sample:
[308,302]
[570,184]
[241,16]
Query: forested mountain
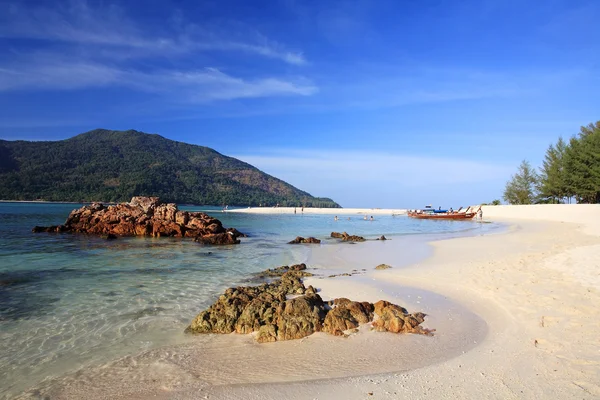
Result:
[104,165]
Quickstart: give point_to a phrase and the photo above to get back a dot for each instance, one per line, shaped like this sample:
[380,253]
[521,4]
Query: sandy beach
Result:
[516,317]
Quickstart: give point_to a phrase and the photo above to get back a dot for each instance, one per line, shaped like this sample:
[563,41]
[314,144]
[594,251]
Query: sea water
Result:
[69,301]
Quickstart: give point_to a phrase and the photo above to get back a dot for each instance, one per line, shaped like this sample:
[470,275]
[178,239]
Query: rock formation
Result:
[300,239]
[347,238]
[145,216]
[286,309]
[383,266]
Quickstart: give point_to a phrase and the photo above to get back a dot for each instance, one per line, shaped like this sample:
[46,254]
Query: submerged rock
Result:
[300,239]
[347,238]
[286,309]
[279,271]
[145,216]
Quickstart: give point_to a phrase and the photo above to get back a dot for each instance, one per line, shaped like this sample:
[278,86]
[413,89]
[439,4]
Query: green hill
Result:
[104,165]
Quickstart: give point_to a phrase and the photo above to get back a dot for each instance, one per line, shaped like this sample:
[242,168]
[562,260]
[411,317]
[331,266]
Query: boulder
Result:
[300,239]
[393,318]
[347,238]
[279,271]
[382,238]
[346,315]
[285,309]
[383,266]
[145,216]
[300,317]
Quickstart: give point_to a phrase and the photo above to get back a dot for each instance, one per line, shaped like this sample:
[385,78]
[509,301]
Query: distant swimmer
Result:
[372,218]
[348,218]
[335,218]
[365,218]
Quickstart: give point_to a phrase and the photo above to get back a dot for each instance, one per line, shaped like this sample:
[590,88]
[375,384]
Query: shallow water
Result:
[69,301]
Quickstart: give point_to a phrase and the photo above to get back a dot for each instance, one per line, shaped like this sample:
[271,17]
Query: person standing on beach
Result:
[294,210]
[480,212]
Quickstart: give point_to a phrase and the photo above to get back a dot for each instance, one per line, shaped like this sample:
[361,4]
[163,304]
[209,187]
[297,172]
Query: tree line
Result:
[569,173]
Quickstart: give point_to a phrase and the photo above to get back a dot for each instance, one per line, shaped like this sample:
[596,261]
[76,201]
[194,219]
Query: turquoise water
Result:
[69,301]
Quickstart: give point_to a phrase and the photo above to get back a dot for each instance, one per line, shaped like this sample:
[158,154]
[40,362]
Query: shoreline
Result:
[319,211]
[535,284]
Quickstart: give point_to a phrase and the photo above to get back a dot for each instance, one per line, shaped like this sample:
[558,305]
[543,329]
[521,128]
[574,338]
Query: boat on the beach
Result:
[460,214]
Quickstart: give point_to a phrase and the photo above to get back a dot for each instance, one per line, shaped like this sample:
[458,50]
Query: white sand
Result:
[536,287]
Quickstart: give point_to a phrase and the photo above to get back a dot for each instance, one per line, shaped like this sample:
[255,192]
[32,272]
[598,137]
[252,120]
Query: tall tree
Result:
[521,188]
[552,185]
[582,165]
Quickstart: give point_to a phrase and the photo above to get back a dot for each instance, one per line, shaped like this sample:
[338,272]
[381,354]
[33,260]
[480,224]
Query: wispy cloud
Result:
[77,22]
[74,45]
[192,86]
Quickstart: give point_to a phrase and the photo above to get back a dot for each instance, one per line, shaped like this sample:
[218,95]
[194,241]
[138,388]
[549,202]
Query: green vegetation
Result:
[493,203]
[111,166]
[570,171]
[521,189]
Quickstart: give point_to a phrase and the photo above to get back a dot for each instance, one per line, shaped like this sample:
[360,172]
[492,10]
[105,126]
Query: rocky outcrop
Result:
[393,318]
[347,315]
[145,216]
[383,266]
[347,238]
[286,309]
[382,237]
[300,270]
[300,239]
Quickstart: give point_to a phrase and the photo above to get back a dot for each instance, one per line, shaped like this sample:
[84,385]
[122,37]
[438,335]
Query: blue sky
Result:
[373,103]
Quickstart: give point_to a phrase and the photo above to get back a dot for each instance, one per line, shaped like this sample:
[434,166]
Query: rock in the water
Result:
[300,239]
[383,266]
[382,238]
[279,271]
[347,238]
[268,310]
[145,216]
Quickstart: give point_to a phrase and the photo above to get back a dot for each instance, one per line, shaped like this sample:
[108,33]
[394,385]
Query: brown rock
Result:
[383,266]
[267,310]
[300,239]
[382,238]
[393,318]
[300,317]
[145,216]
[347,238]
[279,271]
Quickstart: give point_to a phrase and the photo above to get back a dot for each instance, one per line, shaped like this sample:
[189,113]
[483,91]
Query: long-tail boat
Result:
[428,213]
